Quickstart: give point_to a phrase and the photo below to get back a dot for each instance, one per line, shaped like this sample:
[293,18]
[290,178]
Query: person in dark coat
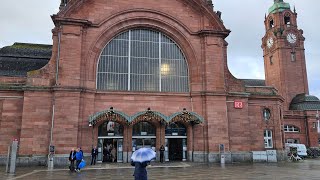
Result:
[94,153]
[140,171]
[72,158]
[161,153]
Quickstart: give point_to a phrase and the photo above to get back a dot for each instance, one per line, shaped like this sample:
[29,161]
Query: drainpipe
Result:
[307,131]
[58,56]
[51,152]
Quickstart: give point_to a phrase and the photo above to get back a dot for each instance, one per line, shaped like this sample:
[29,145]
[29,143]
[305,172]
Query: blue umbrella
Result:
[143,155]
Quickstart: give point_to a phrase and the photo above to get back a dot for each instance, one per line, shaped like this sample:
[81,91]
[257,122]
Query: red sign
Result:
[238,104]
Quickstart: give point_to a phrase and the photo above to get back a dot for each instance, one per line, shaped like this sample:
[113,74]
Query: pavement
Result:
[306,169]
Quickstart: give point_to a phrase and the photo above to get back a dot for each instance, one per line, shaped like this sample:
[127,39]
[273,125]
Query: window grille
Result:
[142,60]
[288,128]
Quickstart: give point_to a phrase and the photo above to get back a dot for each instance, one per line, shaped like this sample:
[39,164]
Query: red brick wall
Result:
[10,118]
[36,123]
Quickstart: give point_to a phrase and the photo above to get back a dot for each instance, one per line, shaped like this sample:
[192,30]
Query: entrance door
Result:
[110,150]
[175,149]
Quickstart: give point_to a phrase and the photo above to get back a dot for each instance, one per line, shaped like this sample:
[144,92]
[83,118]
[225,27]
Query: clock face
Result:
[292,38]
[269,42]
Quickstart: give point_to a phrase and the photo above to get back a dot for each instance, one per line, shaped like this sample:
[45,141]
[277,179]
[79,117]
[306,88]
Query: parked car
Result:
[301,149]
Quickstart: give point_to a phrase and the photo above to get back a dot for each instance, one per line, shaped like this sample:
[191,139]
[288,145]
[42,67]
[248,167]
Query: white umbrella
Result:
[143,155]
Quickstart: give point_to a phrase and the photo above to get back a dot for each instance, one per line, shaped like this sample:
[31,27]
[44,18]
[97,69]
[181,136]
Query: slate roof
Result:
[254,82]
[18,59]
[305,102]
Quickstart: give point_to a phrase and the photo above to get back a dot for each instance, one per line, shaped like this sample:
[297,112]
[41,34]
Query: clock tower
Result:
[283,52]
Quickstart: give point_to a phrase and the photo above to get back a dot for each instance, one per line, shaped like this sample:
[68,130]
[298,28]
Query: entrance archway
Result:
[110,142]
[143,135]
[175,142]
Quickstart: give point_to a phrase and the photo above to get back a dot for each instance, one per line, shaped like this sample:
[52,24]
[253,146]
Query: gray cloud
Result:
[29,21]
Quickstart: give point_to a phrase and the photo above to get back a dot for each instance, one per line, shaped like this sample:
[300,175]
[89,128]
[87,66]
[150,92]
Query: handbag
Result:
[82,164]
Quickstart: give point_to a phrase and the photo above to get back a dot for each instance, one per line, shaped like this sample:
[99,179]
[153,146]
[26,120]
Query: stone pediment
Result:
[197,12]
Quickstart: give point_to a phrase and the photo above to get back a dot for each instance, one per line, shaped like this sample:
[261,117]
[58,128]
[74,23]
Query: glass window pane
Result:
[143,128]
[148,67]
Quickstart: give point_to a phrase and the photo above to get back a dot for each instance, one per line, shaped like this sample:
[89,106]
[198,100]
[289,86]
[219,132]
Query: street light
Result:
[317,118]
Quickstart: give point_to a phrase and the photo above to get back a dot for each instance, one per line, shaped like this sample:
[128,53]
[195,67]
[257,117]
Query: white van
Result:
[301,149]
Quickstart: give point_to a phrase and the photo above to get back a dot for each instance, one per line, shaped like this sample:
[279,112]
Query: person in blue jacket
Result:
[140,171]
[79,157]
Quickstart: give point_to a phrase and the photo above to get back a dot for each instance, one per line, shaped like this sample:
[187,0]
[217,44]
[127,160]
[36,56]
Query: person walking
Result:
[72,158]
[162,149]
[113,154]
[79,157]
[140,171]
[94,153]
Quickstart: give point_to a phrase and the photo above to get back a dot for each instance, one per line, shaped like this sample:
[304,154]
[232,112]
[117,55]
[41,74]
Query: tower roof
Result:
[305,102]
[279,6]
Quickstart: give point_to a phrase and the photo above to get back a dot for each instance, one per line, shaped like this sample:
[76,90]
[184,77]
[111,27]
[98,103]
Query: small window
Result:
[289,128]
[314,125]
[271,23]
[293,141]
[287,21]
[293,56]
[268,139]
[266,113]
[271,60]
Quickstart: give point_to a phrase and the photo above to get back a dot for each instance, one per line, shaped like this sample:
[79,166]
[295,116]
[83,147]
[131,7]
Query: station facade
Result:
[130,74]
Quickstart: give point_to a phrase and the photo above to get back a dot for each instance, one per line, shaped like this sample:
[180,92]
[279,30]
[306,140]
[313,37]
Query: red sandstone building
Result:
[127,75]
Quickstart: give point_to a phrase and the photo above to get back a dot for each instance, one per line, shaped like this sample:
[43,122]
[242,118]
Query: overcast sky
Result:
[30,22]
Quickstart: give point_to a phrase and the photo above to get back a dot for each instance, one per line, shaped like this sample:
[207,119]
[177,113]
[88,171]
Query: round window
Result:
[266,114]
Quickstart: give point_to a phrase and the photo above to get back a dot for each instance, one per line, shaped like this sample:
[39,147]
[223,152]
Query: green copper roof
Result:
[279,6]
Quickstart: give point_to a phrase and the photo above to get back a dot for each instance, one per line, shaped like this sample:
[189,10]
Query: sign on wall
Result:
[238,104]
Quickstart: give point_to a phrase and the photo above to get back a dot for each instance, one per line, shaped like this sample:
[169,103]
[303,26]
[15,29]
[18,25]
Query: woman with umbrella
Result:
[140,159]
[140,171]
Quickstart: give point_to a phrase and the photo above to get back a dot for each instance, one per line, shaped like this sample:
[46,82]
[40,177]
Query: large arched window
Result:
[142,60]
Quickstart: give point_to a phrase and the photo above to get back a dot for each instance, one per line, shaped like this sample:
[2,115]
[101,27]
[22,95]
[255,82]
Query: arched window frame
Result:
[177,81]
[143,128]
[287,19]
[110,128]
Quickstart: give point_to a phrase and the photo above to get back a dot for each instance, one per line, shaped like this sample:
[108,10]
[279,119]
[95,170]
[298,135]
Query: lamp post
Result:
[317,118]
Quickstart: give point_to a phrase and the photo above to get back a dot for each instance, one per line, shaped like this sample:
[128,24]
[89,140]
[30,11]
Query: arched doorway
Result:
[175,142]
[110,142]
[143,135]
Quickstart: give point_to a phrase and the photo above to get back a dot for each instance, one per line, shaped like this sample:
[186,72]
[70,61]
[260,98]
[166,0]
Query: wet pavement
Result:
[307,169]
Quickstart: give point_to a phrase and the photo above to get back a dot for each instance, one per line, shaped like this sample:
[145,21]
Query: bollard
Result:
[8,159]
[51,157]
[14,150]
[222,159]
